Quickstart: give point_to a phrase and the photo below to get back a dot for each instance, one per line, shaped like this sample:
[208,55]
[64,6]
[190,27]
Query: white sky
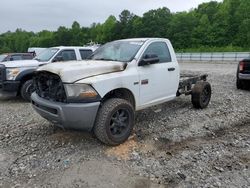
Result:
[36,15]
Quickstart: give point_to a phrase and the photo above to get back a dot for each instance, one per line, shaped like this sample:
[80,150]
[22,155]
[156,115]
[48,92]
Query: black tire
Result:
[27,89]
[239,84]
[201,94]
[110,130]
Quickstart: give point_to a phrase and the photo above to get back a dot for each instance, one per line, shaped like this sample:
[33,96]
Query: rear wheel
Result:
[27,89]
[201,94]
[114,122]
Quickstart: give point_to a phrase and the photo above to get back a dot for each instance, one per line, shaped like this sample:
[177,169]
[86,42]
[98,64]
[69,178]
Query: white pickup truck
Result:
[16,76]
[102,94]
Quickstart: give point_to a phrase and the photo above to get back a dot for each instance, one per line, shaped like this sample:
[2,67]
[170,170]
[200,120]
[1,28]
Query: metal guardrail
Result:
[213,56]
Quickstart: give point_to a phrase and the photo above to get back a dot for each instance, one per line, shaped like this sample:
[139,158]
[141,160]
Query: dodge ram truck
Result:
[103,93]
[16,76]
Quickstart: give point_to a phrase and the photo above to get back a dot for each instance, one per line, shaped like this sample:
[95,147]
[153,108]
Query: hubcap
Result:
[119,122]
[205,95]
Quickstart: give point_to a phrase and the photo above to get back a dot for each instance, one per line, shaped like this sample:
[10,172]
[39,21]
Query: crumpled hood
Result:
[73,71]
[21,63]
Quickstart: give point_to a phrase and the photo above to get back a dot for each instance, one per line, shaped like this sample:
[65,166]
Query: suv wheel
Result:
[27,89]
[114,122]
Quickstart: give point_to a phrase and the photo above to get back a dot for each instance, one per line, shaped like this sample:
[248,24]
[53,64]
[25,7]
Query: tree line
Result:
[212,26]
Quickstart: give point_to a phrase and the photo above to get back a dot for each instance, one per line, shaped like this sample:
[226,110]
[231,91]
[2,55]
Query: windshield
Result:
[2,57]
[46,55]
[123,51]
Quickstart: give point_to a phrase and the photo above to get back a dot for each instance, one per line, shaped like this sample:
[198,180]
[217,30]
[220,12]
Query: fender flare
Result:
[24,73]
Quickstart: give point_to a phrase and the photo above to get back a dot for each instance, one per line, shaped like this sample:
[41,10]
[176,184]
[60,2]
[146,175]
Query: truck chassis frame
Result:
[187,81]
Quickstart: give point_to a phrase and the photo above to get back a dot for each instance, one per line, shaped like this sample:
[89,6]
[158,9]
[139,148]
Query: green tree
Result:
[156,23]
[123,28]
[63,36]
[181,28]
[211,26]
[108,29]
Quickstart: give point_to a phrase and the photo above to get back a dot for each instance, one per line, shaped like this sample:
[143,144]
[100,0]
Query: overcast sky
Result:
[37,15]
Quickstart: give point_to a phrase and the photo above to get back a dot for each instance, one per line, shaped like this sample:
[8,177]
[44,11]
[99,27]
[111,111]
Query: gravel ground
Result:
[173,145]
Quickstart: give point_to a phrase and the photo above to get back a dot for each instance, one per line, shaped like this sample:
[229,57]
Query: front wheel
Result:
[114,121]
[201,94]
[27,89]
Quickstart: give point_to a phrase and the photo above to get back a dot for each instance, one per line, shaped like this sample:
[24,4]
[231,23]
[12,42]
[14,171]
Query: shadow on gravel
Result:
[171,147]
[12,100]
[155,112]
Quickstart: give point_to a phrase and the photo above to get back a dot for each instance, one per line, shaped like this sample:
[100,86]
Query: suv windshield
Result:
[123,51]
[2,57]
[46,55]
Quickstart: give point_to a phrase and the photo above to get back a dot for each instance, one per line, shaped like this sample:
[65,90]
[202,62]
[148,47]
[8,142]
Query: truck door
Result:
[159,81]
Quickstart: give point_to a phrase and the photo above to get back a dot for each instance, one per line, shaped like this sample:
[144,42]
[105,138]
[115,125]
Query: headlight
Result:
[81,92]
[11,73]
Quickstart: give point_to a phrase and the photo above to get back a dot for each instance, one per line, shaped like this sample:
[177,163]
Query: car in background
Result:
[243,74]
[15,56]
[16,77]
[36,50]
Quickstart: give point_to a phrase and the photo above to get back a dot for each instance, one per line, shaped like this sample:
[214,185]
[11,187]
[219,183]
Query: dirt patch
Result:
[123,151]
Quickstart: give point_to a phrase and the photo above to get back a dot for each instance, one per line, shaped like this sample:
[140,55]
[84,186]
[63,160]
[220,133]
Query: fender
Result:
[24,73]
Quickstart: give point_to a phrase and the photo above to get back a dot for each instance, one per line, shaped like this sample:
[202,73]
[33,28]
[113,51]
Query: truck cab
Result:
[16,76]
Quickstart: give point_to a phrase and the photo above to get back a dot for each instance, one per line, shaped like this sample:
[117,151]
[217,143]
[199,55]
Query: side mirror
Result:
[149,59]
[58,58]
[11,59]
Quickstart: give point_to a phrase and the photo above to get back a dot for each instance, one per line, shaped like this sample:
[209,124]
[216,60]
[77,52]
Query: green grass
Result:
[214,49]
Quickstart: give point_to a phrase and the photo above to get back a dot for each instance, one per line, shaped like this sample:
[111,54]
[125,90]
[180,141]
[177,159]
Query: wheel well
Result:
[121,93]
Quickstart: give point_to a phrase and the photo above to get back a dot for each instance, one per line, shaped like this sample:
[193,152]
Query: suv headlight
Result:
[11,73]
[81,92]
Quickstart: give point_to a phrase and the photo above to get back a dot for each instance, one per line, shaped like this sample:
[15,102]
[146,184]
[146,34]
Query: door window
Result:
[16,57]
[161,50]
[67,55]
[85,53]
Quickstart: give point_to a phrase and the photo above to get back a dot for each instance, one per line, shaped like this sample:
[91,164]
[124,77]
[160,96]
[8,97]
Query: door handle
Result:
[171,69]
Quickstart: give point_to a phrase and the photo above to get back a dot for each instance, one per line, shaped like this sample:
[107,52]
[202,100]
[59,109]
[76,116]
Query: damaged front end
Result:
[52,102]
[49,86]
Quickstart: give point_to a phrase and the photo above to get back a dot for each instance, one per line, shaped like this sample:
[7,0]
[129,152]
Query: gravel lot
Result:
[173,145]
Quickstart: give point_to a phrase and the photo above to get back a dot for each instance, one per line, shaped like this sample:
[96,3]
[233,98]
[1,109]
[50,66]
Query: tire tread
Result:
[103,113]
[196,94]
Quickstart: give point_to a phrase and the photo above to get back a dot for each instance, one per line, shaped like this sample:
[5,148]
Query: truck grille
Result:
[2,73]
[49,86]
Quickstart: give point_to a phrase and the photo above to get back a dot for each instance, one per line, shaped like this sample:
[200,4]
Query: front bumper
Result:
[9,88]
[80,116]
[244,76]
